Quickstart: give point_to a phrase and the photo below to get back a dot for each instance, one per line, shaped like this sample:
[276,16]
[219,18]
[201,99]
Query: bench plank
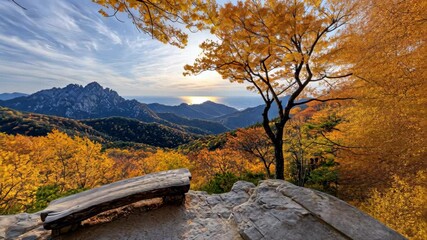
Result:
[78,207]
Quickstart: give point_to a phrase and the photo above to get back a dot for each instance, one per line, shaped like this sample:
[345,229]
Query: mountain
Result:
[229,117]
[8,96]
[248,117]
[113,129]
[132,130]
[211,127]
[78,102]
[93,101]
[206,110]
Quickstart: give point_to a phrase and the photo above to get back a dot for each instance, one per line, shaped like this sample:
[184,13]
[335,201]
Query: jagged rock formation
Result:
[78,102]
[274,209]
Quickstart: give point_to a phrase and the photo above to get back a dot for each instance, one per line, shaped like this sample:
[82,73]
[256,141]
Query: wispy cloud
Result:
[55,43]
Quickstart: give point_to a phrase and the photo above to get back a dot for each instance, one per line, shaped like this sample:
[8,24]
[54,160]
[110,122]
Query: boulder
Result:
[280,210]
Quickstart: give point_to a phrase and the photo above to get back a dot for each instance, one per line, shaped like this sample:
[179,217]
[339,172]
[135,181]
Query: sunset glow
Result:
[198,99]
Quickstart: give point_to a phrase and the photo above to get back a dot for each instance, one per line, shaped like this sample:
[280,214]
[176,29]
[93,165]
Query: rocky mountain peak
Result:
[78,102]
[94,86]
[71,86]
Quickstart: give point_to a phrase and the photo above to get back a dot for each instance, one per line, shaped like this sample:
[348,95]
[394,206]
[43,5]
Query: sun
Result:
[198,99]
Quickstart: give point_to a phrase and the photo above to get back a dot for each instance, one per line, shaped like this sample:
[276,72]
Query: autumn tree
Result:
[35,167]
[161,19]
[129,162]
[386,49]
[18,181]
[279,48]
[207,164]
[311,146]
[164,160]
[253,142]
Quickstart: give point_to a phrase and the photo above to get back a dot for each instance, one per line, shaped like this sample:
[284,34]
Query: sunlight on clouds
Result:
[199,99]
[68,41]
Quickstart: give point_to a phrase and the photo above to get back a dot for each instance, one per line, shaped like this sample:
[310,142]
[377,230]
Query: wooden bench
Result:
[68,212]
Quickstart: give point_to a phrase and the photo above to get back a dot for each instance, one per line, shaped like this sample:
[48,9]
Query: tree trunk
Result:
[278,152]
[276,138]
[280,161]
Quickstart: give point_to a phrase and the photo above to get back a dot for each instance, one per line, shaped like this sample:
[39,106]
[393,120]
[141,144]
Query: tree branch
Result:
[321,100]
[19,5]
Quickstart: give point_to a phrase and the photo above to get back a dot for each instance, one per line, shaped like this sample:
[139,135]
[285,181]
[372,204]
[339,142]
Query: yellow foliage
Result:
[387,124]
[18,181]
[27,163]
[129,163]
[402,207]
[159,18]
[166,160]
[207,164]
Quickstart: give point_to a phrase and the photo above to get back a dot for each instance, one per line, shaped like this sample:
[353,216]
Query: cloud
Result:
[55,43]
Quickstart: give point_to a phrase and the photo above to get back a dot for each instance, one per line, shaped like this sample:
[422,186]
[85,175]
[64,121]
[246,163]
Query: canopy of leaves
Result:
[160,18]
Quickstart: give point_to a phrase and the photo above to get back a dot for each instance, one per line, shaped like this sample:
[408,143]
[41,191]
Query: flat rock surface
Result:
[24,225]
[273,210]
[203,216]
[280,210]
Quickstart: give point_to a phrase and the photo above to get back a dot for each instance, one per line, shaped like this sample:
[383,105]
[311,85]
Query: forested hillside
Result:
[33,124]
[132,130]
[108,131]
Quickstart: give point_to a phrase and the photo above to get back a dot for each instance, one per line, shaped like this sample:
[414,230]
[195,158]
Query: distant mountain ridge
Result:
[206,110]
[9,96]
[93,101]
[248,116]
[210,126]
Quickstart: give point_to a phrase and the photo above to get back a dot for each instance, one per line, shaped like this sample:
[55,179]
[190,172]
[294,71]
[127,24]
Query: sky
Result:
[57,42]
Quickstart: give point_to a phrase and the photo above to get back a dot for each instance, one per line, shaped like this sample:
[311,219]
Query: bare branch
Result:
[342,76]
[19,5]
[321,100]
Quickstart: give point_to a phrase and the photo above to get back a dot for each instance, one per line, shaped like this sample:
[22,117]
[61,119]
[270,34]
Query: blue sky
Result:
[57,42]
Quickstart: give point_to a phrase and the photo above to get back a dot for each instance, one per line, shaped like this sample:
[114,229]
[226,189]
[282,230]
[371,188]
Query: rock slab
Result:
[280,210]
[274,209]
